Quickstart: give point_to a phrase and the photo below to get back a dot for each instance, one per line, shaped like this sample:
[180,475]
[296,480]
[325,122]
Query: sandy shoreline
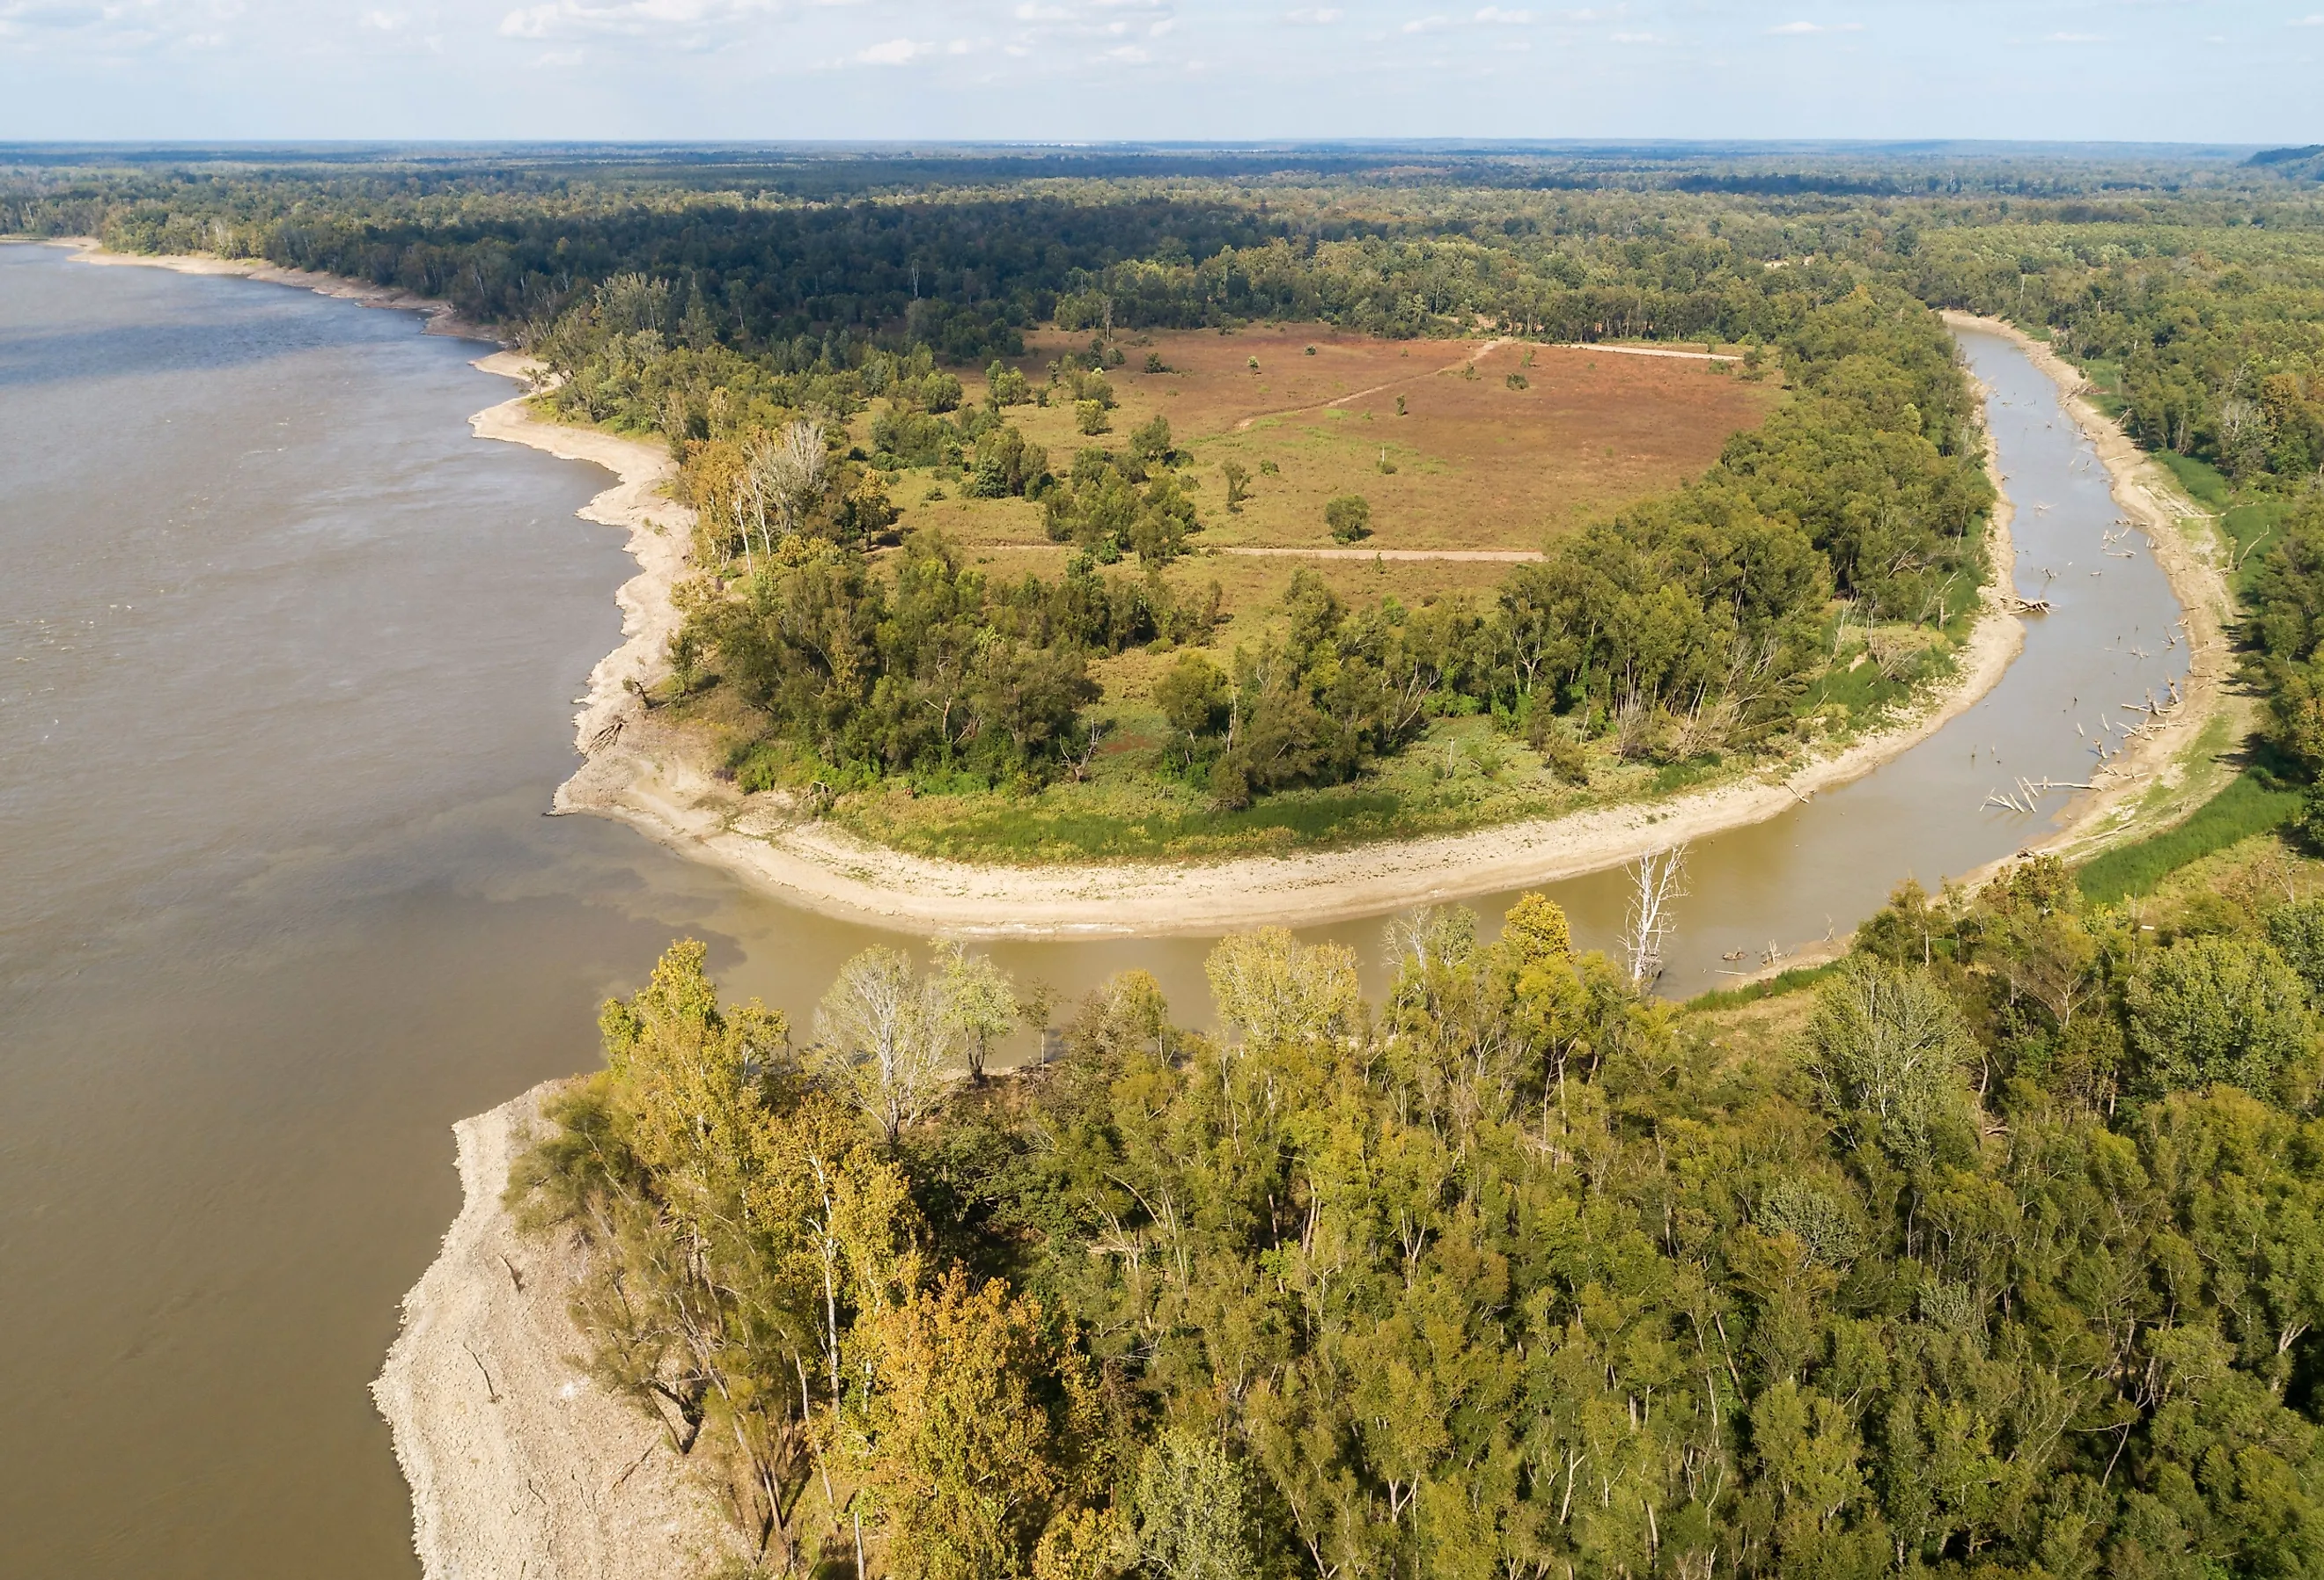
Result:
[519,1464]
[442,318]
[656,780]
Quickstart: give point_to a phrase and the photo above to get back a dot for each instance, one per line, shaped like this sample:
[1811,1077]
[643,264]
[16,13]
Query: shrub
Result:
[1350,517]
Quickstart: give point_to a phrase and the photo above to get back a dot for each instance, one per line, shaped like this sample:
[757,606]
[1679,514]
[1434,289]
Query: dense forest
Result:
[2008,1260]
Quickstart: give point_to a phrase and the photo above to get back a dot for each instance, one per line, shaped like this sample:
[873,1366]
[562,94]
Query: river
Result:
[286,663]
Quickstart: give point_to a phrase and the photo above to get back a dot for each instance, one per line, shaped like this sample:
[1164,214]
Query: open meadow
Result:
[1458,445]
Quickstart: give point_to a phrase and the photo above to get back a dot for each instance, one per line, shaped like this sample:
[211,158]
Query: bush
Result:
[1350,517]
[1090,417]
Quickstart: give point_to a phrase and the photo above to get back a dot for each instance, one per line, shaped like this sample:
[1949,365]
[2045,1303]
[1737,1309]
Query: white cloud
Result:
[1638,38]
[2315,19]
[384,20]
[565,18]
[894,52]
[1426,24]
[1507,18]
[1315,16]
[2074,38]
[1801,29]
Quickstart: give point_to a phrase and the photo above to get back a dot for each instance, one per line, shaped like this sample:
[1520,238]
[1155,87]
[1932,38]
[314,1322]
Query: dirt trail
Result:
[1479,355]
[1646,351]
[1478,556]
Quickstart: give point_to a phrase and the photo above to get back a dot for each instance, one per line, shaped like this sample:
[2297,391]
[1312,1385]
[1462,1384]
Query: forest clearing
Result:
[1480,462]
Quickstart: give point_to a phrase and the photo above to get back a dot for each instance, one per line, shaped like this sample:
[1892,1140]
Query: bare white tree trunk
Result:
[1657,883]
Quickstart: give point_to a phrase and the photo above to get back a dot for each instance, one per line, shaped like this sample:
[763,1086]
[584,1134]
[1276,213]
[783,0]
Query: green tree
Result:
[2217,1010]
[1886,1048]
[978,1003]
[1350,517]
[1194,1504]
[1150,442]
[1237,480]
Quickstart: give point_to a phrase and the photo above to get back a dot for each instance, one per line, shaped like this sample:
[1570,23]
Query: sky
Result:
[2143,70]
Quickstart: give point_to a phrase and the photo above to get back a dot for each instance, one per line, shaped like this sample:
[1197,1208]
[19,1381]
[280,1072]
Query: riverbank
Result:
[442,318]
[2180,758]
[519,1463]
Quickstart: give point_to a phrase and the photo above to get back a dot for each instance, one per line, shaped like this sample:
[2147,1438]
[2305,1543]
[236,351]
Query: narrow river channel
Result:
[285,667]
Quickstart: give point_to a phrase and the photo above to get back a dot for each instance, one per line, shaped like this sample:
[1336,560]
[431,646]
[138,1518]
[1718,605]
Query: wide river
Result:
[286,663]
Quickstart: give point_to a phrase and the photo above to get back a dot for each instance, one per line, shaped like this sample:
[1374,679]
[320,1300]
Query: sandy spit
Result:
[520,1467]
[2160,762]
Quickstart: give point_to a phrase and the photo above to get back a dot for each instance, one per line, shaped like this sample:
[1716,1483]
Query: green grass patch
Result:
[2251,530]
[2106,386]
[1775,986]
[2254,802]
[2203,482]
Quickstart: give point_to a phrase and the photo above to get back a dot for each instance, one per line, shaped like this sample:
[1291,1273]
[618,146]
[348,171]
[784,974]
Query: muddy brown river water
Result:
[285,667]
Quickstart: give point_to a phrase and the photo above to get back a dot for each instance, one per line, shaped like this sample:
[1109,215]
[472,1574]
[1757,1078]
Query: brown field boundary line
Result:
[1479,556]
[1479,355]
[1494,556]
[1646,351]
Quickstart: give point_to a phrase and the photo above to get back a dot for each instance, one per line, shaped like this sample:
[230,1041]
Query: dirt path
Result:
[519,1464]
[1480,555]
[1646,351]
[1487,349]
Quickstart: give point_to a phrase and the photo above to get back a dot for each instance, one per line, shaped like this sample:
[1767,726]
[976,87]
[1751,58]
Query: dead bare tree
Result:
[1657,884]
[786,475]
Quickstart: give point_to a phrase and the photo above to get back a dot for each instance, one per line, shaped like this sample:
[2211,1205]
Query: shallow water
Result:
[285,667]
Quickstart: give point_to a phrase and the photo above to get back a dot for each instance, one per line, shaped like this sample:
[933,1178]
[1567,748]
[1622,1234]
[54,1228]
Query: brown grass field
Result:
[1476,464]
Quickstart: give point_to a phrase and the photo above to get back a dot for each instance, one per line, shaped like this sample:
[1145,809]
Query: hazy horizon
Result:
[2145,71]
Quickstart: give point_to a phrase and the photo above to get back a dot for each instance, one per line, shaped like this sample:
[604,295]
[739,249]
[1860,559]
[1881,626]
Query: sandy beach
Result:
[519,1464]
[442,318]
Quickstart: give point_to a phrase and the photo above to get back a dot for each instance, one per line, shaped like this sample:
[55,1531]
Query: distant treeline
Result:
[963,254]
